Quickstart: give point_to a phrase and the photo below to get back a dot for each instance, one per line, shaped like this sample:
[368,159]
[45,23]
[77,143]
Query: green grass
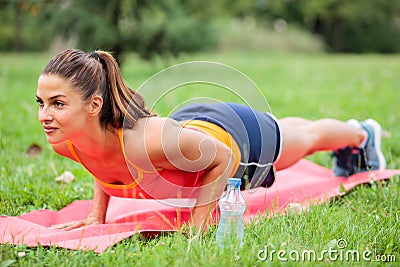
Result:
[311,86]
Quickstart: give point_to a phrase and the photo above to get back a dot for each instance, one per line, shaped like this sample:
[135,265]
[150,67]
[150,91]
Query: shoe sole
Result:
[378,139]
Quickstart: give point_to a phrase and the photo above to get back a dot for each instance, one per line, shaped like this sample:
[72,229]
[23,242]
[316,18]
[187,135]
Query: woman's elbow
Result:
[227,161]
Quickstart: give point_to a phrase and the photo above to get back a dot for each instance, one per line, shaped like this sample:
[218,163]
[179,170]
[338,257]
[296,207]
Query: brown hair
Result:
[99,73]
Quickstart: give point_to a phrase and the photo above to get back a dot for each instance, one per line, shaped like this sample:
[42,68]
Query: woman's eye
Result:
[58,104]
[40,102]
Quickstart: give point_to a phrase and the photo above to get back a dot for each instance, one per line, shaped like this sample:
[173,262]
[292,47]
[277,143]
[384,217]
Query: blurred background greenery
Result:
[292,49]
[169,27]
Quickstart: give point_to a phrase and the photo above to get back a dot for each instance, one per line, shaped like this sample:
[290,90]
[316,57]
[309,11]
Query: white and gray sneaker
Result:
[372,152]
[348,161]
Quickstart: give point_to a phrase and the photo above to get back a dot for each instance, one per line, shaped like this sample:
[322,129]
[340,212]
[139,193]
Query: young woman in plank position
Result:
[91,116]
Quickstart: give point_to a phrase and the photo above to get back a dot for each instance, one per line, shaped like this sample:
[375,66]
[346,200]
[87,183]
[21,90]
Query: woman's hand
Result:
[200,216]
[90,220]
[97,212]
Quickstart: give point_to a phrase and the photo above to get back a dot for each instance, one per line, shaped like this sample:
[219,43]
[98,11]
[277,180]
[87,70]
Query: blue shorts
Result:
[256,133]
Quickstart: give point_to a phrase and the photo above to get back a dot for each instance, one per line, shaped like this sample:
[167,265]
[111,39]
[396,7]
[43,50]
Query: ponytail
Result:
[124,104]
[99,73]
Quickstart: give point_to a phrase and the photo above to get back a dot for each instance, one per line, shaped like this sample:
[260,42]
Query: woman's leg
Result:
[303,137]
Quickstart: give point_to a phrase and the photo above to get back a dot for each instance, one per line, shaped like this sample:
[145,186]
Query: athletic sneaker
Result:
[372,153]
[347,161]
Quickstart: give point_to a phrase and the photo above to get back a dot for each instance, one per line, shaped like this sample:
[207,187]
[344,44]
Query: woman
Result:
[84,104]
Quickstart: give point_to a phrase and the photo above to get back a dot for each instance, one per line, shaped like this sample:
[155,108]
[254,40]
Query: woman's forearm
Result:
[97,213]
[100,203]
[212,187]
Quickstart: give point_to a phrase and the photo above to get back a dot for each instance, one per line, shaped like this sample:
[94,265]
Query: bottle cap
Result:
[234,181]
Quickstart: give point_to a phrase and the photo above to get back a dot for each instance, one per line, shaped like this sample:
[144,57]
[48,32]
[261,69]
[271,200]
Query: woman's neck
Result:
[97,142]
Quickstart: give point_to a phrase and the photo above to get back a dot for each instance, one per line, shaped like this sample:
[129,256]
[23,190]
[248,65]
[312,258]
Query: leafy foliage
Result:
[165,27]
[148,28]
[347,26]
[170,27]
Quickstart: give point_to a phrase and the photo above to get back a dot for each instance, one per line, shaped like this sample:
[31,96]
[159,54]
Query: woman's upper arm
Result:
[186,149]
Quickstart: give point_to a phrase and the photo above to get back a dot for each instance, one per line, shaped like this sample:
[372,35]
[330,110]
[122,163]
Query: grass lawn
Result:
[310,86]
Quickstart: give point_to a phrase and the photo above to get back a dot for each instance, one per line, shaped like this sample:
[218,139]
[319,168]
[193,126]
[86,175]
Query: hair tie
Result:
[95,55]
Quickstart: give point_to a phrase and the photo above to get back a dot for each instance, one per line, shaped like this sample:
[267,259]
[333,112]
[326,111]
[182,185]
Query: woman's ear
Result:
[95,105]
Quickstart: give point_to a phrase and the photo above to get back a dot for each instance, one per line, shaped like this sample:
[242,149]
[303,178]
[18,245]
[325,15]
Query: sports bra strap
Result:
[139,170]
[121,141]
[73,152]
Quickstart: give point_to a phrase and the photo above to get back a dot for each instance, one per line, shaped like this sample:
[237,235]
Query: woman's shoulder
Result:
[147,137]
[150,129]
[135,143]
[160,122]
[153,126]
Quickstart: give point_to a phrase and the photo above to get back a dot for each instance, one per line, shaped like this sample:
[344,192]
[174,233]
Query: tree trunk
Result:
[18,41]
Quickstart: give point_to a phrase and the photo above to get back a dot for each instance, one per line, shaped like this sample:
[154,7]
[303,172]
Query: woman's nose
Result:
[44,114]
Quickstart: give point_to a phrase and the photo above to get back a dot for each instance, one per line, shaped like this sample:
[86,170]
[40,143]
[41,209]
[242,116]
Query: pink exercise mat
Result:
[305,183]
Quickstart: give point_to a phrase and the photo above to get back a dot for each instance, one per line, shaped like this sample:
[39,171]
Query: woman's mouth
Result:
[49,129]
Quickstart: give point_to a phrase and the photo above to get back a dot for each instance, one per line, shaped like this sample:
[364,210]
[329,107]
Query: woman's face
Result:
[62,111]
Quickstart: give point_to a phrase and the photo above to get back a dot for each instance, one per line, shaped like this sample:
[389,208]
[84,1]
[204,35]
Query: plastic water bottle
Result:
[232,206]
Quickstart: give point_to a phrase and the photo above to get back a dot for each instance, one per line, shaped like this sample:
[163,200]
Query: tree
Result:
[94,23]
[347,26]
[14,15]
[170,27]
[147,27]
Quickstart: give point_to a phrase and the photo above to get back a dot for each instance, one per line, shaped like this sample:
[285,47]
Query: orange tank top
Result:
[163,183]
